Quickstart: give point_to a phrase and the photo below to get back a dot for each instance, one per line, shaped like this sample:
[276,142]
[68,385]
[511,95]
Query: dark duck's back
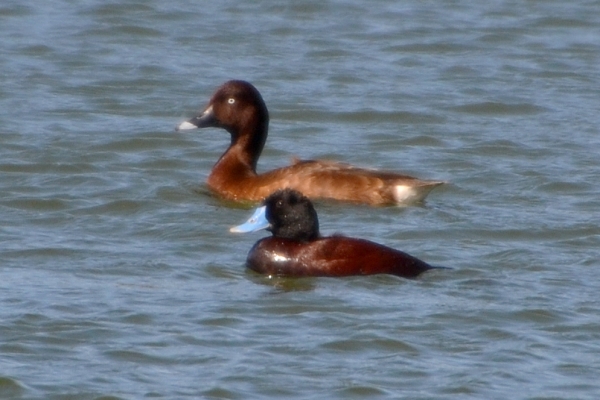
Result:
[297,249]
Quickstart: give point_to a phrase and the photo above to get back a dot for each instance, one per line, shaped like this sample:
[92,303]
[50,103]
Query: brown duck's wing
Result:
[338,181]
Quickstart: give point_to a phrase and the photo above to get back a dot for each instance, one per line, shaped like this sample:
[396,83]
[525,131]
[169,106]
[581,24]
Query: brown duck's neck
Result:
[238,163]
[236,158]
[247,144]
[231,171]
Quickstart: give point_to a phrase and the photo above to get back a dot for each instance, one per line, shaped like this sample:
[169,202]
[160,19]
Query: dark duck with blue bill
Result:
[296,247]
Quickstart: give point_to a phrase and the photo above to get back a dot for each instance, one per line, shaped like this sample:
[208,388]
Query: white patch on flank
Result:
[404,193]
[186,126]
[279,258]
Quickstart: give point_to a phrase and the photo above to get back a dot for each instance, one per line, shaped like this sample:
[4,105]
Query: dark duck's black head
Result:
[287,214]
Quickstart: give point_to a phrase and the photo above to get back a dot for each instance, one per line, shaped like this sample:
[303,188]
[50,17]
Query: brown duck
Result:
[238,107]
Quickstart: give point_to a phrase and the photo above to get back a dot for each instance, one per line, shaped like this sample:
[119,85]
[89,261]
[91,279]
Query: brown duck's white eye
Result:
[231,100]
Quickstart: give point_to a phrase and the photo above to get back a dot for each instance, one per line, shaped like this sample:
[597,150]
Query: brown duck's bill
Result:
[204,120]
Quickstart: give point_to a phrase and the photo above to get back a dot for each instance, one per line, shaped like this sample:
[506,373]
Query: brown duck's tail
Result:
[404,193]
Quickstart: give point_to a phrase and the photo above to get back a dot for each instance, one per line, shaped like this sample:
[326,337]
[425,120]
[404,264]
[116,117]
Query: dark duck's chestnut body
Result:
[238,107]
[297,249]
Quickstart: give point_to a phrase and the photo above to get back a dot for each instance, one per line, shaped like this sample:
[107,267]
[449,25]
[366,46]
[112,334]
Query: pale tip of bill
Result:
[184,126]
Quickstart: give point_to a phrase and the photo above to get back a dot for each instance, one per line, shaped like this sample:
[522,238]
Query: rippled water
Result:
[119,278]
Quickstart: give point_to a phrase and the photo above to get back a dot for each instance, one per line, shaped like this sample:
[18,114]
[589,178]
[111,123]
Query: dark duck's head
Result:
[286,214]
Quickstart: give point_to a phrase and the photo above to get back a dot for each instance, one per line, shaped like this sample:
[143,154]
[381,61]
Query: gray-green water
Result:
[119,278]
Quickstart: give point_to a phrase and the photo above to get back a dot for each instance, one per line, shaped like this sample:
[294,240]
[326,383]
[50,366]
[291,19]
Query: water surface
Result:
[119,278]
